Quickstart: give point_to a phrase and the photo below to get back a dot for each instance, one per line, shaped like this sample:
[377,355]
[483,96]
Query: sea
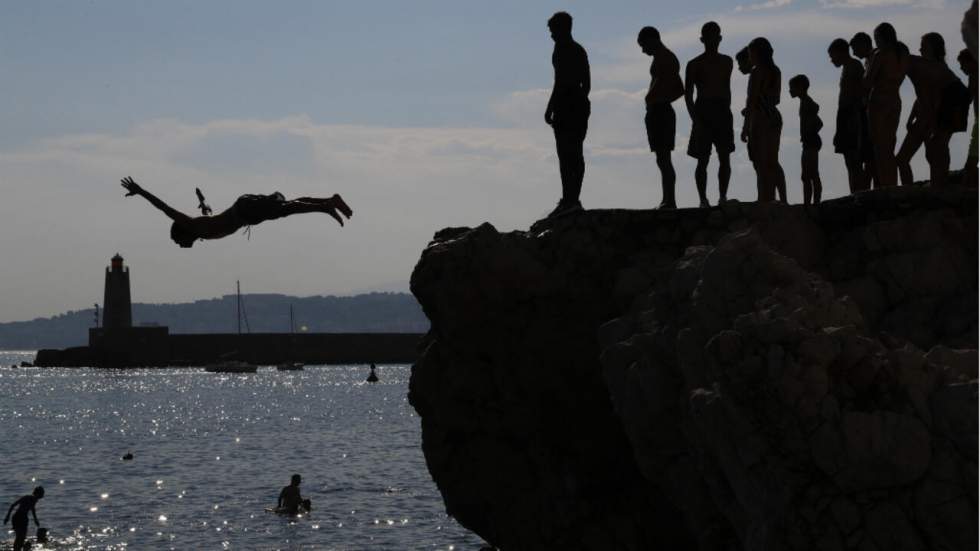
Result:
[211,453]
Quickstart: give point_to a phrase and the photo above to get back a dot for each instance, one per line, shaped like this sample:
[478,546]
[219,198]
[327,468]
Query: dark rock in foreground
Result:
[743,377]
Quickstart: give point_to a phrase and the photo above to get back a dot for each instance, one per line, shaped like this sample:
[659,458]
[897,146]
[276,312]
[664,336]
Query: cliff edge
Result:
[750,376]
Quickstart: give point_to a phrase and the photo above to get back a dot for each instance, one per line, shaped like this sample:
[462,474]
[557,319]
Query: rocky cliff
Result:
[743,377]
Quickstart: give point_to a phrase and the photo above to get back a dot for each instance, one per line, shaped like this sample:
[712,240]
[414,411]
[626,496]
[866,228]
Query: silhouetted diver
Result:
[247,210]
[810,125]
[372,377]
[24,505]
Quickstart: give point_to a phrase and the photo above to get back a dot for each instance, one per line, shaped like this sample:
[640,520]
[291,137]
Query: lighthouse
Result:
[117,308]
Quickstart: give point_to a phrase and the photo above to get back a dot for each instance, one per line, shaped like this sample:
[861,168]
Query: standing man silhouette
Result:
[883,80]
[764,122]
[930,75]
[568,110]
[666,87]
[850,114]
[710,75]
[863,49]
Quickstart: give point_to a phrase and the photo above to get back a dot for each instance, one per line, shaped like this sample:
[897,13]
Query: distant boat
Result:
[231,366]
[290,366]
[228,364]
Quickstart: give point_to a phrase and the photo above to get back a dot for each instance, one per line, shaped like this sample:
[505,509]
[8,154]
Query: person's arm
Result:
[34,512]
[689,89]
[279,503]
[913,115]
[586,74]
[6,519]
[134,189]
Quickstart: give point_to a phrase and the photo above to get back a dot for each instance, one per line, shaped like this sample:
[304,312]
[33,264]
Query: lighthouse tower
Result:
[117,311]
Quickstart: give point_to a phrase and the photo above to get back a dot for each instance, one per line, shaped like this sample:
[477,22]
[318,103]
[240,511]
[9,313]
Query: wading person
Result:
[930,77]
[883,80]
[247,210]
[764,122]
[810,125]
[661,121]
[568,110]
[709,77]
[850,114]
[24,505]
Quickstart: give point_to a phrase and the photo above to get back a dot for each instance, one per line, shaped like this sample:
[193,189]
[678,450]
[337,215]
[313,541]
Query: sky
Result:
[422,114]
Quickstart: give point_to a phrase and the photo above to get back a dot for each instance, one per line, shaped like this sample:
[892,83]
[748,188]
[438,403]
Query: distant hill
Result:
[266,313]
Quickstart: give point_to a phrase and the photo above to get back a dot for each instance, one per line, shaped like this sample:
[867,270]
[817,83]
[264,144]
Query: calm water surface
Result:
[212,452]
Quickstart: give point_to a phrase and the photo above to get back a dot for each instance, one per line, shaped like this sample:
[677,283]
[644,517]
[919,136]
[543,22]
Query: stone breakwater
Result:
[743,377]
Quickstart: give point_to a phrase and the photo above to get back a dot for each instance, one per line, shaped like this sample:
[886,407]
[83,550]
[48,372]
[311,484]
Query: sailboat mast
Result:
[238,302]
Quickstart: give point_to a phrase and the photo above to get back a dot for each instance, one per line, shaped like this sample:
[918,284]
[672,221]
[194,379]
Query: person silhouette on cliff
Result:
[764,123]
[883,80]
[850,114]
[930,78]
[968,64]
[810,125]
[568,110]
[863,48]
[666,87]
[247,210]
[709,75]
[24,505]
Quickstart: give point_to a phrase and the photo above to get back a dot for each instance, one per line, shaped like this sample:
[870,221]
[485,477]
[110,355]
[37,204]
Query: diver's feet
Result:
[339,203]
[705,204]
[667,206]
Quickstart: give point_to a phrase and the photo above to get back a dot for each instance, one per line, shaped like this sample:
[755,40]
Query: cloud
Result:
[764,5]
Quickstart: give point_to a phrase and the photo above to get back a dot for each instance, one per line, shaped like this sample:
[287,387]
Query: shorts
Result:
[849,137]
[254,209]
[712,126]
[810,163]
[661,123]
[572,118]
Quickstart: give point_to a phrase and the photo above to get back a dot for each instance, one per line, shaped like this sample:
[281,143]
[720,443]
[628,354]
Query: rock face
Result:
[744,377]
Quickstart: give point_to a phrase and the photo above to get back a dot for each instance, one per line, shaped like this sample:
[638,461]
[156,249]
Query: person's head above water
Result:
[182,236]
[743,61]
[560,26]
[295,480]
[711,35]
[839,50]
[861,45]
[39,492]
[648,39]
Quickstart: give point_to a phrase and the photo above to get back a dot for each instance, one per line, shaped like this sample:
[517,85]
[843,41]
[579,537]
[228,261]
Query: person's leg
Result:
[20,535]
[805,176]
[578,168]
[884,130]
[910,145]
[724,175]
[855,172]
[937,153]
[565,149]
[667,178]
[701,180]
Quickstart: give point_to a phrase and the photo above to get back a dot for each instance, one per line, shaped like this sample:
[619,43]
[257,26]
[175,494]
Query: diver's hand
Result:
[131,186]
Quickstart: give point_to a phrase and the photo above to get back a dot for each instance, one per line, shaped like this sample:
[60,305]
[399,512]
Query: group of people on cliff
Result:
[868,111]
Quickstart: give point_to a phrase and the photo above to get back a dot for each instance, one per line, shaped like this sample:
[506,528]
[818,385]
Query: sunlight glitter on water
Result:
[356,446]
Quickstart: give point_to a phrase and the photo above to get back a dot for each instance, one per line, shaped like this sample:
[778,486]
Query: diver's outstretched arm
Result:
[134,189]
